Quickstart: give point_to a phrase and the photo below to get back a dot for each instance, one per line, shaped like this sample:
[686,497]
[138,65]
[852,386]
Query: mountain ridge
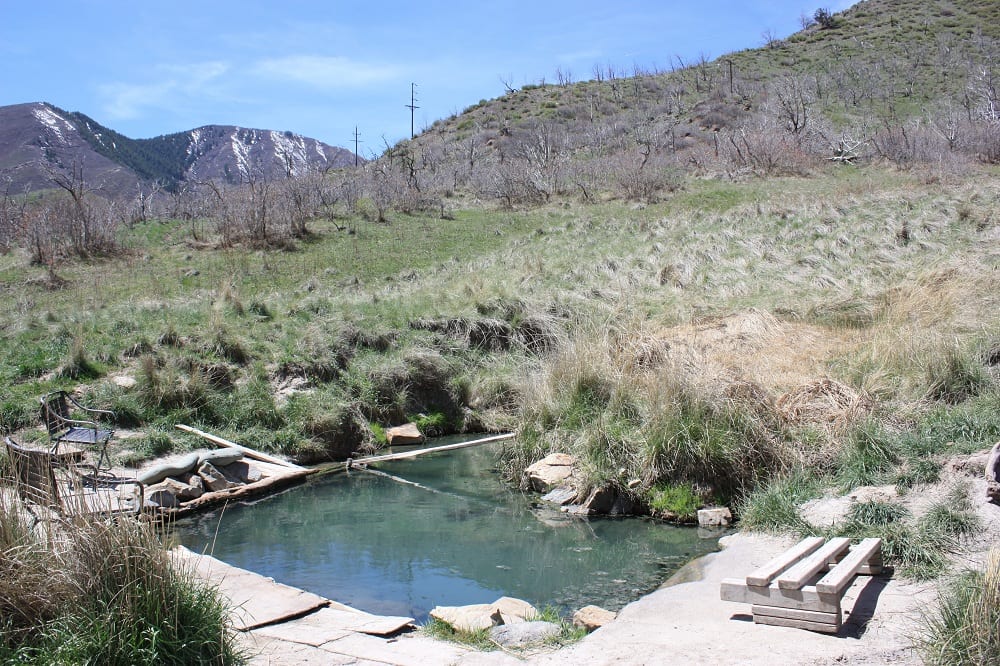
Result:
[39,140]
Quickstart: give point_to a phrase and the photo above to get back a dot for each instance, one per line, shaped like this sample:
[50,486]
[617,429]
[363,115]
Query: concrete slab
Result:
[257,600]
[406,650]
[328,624]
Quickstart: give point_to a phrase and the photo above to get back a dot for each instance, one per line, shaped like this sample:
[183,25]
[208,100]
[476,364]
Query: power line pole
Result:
[356,141]
[412,106]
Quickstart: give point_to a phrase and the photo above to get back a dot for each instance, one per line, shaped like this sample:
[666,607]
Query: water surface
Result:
[452,534]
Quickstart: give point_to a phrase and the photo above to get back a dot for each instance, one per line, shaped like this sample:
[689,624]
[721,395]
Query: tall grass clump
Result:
[636,421]
[91,591]
[965,627]
[773,507]
[869,455]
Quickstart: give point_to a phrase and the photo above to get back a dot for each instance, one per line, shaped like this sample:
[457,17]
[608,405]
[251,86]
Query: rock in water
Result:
[404,434]
[719,516]
[551,471]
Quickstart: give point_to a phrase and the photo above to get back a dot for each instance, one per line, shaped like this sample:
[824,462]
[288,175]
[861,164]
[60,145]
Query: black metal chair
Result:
[34,473]
[57,414]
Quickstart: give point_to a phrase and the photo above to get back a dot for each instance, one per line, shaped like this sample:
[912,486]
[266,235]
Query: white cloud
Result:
[174,83]
[325,71]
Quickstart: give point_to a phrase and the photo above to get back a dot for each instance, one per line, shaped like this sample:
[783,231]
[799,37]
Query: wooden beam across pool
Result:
[434,449]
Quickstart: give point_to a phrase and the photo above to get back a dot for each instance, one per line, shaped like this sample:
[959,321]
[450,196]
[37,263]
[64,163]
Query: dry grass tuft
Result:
[826,403]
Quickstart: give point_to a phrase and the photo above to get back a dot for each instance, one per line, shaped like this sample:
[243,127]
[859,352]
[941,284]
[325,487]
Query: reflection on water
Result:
[455,535]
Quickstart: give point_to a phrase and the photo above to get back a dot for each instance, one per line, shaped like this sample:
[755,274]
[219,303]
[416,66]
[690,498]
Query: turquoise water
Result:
[453,534]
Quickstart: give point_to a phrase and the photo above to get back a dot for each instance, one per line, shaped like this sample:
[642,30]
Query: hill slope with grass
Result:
[675,286]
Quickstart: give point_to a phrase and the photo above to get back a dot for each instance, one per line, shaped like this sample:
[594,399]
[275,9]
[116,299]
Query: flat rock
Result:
[551,471]
[405,434]
[561,496]
[523,634]
[593,617]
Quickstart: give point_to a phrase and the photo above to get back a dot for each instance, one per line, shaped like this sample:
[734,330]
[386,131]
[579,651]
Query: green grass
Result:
[965,627]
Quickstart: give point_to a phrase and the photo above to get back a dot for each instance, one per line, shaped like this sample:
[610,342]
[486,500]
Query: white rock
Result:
[714,517]
[523,634]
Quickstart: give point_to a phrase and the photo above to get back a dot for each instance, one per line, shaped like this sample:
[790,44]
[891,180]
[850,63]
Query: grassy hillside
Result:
[665,275]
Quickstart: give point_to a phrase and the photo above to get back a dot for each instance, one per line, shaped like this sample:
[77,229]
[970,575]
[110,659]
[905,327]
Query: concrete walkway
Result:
[684,622]
[284,625]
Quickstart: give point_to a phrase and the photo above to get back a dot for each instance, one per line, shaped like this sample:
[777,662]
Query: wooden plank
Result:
[806,598]
[434,449]
[765,574]
[841,575]
[796,577]
[248,452]
[796,624]
[795,614]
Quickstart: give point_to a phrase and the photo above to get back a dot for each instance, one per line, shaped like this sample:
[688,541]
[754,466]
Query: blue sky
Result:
[321,68]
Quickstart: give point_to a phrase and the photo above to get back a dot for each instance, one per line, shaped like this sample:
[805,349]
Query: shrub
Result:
[868,456]
[955,377]
[104,592]
[674,501]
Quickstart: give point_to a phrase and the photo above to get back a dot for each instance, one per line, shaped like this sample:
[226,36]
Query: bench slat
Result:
[842,574]
[807,598]
[796,577]
[796,624]
[765,574]
[795,614]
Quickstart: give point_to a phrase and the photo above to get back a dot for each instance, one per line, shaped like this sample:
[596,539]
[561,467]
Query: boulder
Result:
[194,481]
[213,478]
[404,434]
[551,471]
[718,516]
[600,501]
[592,617]
[181,490]
[240,472]
[162,497]
[523,634]
[505,610]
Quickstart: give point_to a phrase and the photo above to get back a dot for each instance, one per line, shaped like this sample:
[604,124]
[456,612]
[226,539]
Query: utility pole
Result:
[412,106]
[356,141]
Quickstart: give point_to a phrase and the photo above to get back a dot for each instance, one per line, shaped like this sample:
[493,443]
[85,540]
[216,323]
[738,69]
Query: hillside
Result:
[37,139]
[773,291]
[904,81]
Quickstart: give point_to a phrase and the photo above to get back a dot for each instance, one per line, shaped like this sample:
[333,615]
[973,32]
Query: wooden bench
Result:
[789,591]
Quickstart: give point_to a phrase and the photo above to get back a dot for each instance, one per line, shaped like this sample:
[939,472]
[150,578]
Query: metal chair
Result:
[64,429]
[34,473]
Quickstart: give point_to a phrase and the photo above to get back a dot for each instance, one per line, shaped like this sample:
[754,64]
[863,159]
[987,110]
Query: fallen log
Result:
[248,452]
[434,449]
